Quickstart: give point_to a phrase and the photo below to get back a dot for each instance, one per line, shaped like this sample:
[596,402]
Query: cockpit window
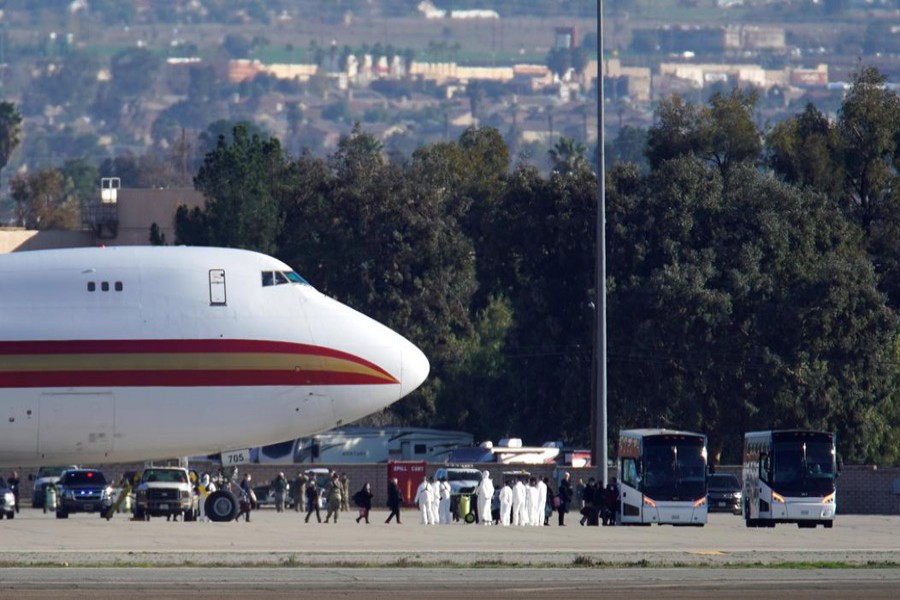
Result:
[281,278]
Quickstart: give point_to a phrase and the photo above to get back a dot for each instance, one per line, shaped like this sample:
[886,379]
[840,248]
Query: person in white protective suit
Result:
[435,500]
[444,506]
[506,498]
[531,499]
[541,502]
[518,504]
[207,487]
[485,491]
[424,497]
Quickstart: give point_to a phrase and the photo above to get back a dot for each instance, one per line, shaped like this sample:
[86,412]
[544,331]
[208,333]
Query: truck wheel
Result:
[12,515]
[825,524]
[221,506]
[61,514]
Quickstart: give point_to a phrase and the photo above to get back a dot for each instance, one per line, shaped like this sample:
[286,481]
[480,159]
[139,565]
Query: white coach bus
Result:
[789,478]
[662,477]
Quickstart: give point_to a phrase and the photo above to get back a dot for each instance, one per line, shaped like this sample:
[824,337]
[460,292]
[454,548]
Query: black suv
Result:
[83,490]
[724,492]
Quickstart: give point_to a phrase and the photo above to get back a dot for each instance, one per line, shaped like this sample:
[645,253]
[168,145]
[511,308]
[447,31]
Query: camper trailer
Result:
[364,445]
[509,451]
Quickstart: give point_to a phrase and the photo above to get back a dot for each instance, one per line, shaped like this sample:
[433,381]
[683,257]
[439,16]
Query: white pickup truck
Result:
[165,491]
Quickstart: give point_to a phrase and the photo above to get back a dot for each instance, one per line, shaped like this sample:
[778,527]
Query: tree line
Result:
[753,275]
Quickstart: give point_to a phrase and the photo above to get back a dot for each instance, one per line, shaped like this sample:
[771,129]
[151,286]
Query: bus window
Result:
[630,472]
[764,466]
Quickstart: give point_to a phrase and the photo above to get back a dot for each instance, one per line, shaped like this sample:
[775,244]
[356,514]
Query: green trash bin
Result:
[463,507]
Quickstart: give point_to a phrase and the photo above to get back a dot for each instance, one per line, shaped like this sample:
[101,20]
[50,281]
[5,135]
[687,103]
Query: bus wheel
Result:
[828,524]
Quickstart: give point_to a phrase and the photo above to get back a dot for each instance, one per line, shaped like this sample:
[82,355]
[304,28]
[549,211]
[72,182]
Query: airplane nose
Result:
[414,368]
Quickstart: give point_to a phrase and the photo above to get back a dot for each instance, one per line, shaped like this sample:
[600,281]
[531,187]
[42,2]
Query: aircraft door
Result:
[217,291]
[19,425]
[82,423]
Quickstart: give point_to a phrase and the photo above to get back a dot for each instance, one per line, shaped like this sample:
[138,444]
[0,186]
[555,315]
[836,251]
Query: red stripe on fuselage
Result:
[186,378]
[169,346]
[56,379]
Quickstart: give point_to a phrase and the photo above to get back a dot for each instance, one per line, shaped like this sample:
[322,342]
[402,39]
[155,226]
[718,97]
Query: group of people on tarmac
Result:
[598,504]
[304,494]
[520,501]
[433,500]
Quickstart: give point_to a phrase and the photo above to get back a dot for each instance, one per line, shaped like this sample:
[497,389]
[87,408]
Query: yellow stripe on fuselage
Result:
[184,362]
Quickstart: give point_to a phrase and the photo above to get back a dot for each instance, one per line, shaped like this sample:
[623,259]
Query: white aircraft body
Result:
[139,353]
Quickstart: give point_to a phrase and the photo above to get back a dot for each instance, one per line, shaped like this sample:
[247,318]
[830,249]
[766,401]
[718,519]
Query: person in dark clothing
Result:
[395,499]
[549,504]
[312,501]
[363,499]
[587,497]
[247,500]
[565,498]
[612,502]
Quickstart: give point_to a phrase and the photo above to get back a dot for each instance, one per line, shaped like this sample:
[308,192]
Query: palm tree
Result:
[10,128]
[568,156]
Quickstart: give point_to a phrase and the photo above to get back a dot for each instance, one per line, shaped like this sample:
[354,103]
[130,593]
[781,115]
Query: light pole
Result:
[600,442]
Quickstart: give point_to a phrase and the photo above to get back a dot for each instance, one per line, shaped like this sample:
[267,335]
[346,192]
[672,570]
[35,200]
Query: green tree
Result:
[568,156]
[542,238]
[806,151]
[471,174]
[744,306]
[722,133]
[388,242]
[476,94]
[42,201]
[10,129]
[559,61]
[868,125]
[677,131]
[82,179]
[628,146]
[243,182]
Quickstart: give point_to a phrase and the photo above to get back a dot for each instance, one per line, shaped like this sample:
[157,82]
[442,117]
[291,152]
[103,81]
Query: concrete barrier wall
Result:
[867,490]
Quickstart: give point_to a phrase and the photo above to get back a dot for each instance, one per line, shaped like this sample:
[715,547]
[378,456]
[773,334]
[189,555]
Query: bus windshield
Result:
[800,468]
[674,470]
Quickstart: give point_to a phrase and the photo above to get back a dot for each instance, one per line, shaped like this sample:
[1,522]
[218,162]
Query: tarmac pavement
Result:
[271,538]
[280,555]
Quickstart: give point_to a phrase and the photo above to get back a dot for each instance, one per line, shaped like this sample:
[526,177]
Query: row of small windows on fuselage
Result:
[281,278]
[104,286]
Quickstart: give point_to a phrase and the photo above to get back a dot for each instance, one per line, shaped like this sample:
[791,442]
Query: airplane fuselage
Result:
[124,354]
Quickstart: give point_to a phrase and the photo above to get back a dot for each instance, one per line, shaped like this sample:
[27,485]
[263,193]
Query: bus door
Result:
[631,500]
